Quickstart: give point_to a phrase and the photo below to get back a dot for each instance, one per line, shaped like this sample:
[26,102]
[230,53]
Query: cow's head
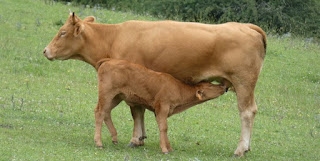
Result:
[69,40]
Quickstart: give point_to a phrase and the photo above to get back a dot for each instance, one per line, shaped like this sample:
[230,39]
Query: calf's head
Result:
[69,40]
[207,91]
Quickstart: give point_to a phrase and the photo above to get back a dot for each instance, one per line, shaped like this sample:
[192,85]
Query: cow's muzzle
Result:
[47,54]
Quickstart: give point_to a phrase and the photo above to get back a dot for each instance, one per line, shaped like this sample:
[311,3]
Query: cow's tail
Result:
[263,35]
[101,62]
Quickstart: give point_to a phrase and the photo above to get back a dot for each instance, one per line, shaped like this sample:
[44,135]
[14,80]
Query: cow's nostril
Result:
[44,51]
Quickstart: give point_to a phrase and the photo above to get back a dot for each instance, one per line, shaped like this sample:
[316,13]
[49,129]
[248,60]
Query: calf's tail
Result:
[101,62]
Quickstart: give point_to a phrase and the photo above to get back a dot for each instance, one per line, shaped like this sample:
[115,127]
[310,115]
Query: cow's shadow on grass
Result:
[152,148]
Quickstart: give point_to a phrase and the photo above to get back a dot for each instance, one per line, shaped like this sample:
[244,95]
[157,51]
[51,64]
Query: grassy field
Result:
[46,108]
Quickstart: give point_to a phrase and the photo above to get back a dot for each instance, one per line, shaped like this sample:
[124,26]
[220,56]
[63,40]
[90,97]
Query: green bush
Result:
[280,16]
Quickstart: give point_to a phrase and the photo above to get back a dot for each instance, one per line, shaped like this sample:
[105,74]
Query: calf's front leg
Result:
[161,117]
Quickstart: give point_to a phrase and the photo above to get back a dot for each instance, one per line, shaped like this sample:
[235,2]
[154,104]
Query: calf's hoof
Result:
[132,145]
[98,144]
[166,152]
[100,147]
[115,142]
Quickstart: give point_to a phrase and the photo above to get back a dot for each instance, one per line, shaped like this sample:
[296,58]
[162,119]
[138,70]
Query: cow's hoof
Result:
[239,155]
[236,156]
[165,152]
[142,138]
[132,145]
[115,142]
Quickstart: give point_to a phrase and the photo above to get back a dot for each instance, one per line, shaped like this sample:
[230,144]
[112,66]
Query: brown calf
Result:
[190,52]
[140,87]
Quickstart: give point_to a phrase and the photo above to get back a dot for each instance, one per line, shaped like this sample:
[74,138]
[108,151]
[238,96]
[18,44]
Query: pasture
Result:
[46,108]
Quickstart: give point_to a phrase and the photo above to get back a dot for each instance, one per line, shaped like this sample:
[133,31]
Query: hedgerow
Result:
[277,16]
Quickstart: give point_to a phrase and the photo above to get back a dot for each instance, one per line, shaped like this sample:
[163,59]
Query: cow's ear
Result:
[79,28]
[89,19]
[199,94]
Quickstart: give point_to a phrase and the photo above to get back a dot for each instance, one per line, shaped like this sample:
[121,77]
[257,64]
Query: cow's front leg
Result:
[139,133]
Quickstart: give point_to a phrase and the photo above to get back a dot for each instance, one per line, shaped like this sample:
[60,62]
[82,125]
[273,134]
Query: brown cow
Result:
[190,52]
[140,87]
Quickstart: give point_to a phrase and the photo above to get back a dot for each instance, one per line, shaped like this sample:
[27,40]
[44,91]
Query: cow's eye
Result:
[63,33]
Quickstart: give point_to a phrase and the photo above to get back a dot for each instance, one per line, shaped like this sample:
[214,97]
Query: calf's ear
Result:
[89,19]
[199,94]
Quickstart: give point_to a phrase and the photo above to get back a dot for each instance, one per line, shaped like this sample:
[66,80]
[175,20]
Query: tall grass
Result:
[46,108]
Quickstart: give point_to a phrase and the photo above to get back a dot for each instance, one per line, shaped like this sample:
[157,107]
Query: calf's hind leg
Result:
[109,123]
[103,113]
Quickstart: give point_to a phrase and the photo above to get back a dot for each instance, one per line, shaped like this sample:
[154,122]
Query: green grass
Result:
[46,108]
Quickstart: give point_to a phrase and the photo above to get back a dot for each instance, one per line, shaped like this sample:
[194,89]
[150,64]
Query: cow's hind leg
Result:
[139,133]
[247,109]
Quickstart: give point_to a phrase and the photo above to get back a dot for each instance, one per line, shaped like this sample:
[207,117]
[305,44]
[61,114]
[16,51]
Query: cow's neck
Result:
[99,39]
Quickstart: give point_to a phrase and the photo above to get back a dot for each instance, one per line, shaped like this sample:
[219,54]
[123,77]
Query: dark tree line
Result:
[296,16]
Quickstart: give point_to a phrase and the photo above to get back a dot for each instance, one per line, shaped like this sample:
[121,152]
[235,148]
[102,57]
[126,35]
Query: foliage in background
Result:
[278,16]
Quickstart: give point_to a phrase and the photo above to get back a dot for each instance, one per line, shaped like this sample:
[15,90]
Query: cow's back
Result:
[191,52]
